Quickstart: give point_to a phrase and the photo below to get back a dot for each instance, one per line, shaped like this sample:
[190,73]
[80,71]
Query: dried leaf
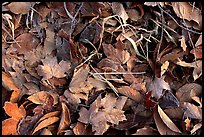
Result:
[164,67]
[97,84]
[184,64]
[9,126]
[46,132]
[80,75]
[19,7]
[49,43]
[196,127]
[183,43]
[48,115]
[199,41]
[188,124]
[42,97]
[197,72]
[161,126]
[174,113]
[145,131]
[91,9]
[7,82]
[153,4]
[14,111]
[119,10]
[187,91]
[157,86]
[186,11]
[26,43]
[168,100]
[82,129]
[65,118]
[51,68]
[192,111]
[131,93]
[102,111]
[197,52]
[45,123]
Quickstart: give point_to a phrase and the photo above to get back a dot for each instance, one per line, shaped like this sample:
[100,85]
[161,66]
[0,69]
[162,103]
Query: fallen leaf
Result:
[162,126]
[187,91]
[184,64]
[51,68]
[188,124]
[164,67]
[153,4]
[183,43]
[91,9]
[49,43]
[199,41]
[196,127]
[192,111]
[46,132]
[198,100]
[45,123]
[97,84]
[26,43]
[82,129]
[146,131]
[186,11]
[131,93]
[157,86]
[19,7]
[197,72]
[48,115]
[102,111]
[9,126]
[197,51]
[14,111]
[119,10]
[65,119]
[174,113]
[80,75]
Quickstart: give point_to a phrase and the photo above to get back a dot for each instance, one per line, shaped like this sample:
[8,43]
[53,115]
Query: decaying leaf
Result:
[199,41]
[45,123]
[131,93]
[197,72]
[197,52]
[102,111]
[196,127]
[46,132]
[51,68]
[82,129]
[65,118]
[7,82]
[146,131]
[187,91]
[157,86]
[164,67]
[48,115]
[164,125]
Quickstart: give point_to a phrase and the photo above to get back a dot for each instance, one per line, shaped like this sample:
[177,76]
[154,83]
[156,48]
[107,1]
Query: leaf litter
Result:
[101,68]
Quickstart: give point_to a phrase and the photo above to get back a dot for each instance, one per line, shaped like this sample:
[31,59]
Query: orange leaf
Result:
[65,118]
[9,126]
[45,123]
[13,111]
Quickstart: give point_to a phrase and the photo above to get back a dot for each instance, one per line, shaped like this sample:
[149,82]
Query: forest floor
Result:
[93,68]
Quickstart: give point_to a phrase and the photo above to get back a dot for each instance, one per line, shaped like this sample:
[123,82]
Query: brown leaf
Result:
[19,7]
[131,93]
[27,42]
[48,115]
[65,118]
[197,72]
[161,126]
[51,68]
[183,43]
[187,91]
[97,84]
[80,75]
[145,131]
[174,113]
[91,9]
[102,111]
[197,52]
[119,10]
[199,41]
[42,97]
[186,11]
[117,55]
[45,123]
[164,67]
[191,110]
[157,86]
[14,111]
[46,132]
[196,127]
[82,129]
[49,43]
[9,126]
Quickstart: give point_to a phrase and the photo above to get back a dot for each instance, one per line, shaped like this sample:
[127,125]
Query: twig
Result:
[111,73]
